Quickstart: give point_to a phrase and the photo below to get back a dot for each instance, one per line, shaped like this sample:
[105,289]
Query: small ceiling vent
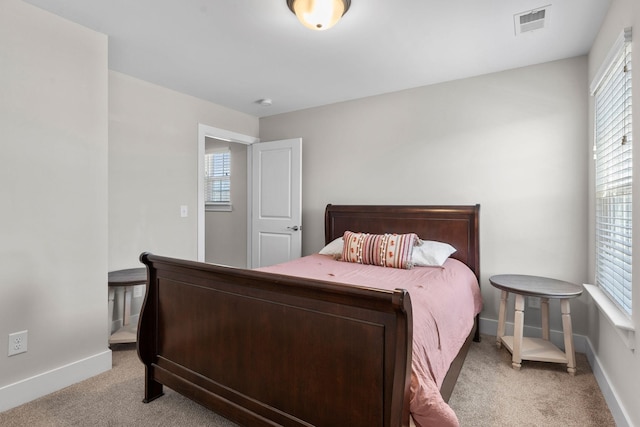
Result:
[532,20]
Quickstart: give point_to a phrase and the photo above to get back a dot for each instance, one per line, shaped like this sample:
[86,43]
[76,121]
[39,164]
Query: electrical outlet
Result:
[18,343]
[534,302]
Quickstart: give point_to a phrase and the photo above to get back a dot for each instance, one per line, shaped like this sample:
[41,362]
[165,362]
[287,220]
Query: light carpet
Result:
[488,393]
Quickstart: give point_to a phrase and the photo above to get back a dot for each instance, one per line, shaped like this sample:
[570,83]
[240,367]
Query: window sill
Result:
[622,324]
[218,208]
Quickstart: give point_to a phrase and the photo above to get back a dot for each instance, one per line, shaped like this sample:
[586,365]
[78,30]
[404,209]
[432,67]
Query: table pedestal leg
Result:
[518,329]
[111,310]
[126,310]
[501,317]
[544,306]
[568,336]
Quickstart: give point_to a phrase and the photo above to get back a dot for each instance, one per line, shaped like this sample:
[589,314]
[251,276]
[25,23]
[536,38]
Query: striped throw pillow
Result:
[385,250]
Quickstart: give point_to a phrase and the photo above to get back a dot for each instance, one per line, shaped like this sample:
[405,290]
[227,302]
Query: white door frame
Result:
[205,131]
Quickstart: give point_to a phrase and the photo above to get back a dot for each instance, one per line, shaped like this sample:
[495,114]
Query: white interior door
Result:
[276,213]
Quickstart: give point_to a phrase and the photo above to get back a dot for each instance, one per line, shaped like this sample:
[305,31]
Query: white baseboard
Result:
[618,411]
[26,390]
[582,344]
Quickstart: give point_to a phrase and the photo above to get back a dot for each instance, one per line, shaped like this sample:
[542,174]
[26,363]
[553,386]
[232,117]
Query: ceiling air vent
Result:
[532,20]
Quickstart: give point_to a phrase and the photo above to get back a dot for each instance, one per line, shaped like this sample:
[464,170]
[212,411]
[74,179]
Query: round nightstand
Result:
[539,349]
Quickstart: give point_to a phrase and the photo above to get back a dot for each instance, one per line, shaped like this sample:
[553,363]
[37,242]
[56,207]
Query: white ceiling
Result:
[234,52]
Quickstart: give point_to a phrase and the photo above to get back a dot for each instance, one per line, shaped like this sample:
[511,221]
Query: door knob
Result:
[294,228]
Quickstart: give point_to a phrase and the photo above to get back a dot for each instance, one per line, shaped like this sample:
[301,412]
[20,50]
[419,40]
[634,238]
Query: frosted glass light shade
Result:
[319,14]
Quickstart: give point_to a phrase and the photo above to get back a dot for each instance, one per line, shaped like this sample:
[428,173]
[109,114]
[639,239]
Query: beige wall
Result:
[95,167]
[153,171]
[514,141]
[620,366]
[53,221]
[153,158]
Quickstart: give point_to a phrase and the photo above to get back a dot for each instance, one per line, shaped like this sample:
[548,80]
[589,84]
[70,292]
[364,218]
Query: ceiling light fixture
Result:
[319,14]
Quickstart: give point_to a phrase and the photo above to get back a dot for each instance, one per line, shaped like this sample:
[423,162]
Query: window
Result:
[613,174]
[217,171]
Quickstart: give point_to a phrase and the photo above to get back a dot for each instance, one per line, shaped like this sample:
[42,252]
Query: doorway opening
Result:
[239,143]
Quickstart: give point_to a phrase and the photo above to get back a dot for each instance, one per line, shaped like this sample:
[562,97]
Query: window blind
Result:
[217,169]
[613,174]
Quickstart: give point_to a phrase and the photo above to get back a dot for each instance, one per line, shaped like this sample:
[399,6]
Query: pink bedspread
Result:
[444,302]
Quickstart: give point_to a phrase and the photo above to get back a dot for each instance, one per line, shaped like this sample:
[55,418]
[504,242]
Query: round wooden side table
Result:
[127,279]
[538,349]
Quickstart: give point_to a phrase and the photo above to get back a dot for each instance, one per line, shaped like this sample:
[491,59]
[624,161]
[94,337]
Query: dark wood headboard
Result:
[456,225]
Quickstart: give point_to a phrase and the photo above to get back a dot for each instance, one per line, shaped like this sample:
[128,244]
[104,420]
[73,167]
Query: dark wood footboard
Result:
[265,349]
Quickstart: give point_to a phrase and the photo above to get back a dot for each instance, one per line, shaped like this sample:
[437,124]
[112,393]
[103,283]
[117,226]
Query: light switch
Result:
[184,211]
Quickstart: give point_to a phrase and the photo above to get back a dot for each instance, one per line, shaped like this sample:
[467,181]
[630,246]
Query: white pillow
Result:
[334,248]
[429,253]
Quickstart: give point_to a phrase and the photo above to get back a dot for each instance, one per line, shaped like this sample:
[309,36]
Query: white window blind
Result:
[217,169]
[613,174]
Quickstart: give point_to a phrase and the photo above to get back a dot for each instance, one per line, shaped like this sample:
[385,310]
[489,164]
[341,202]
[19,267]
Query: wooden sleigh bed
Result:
[265,349]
